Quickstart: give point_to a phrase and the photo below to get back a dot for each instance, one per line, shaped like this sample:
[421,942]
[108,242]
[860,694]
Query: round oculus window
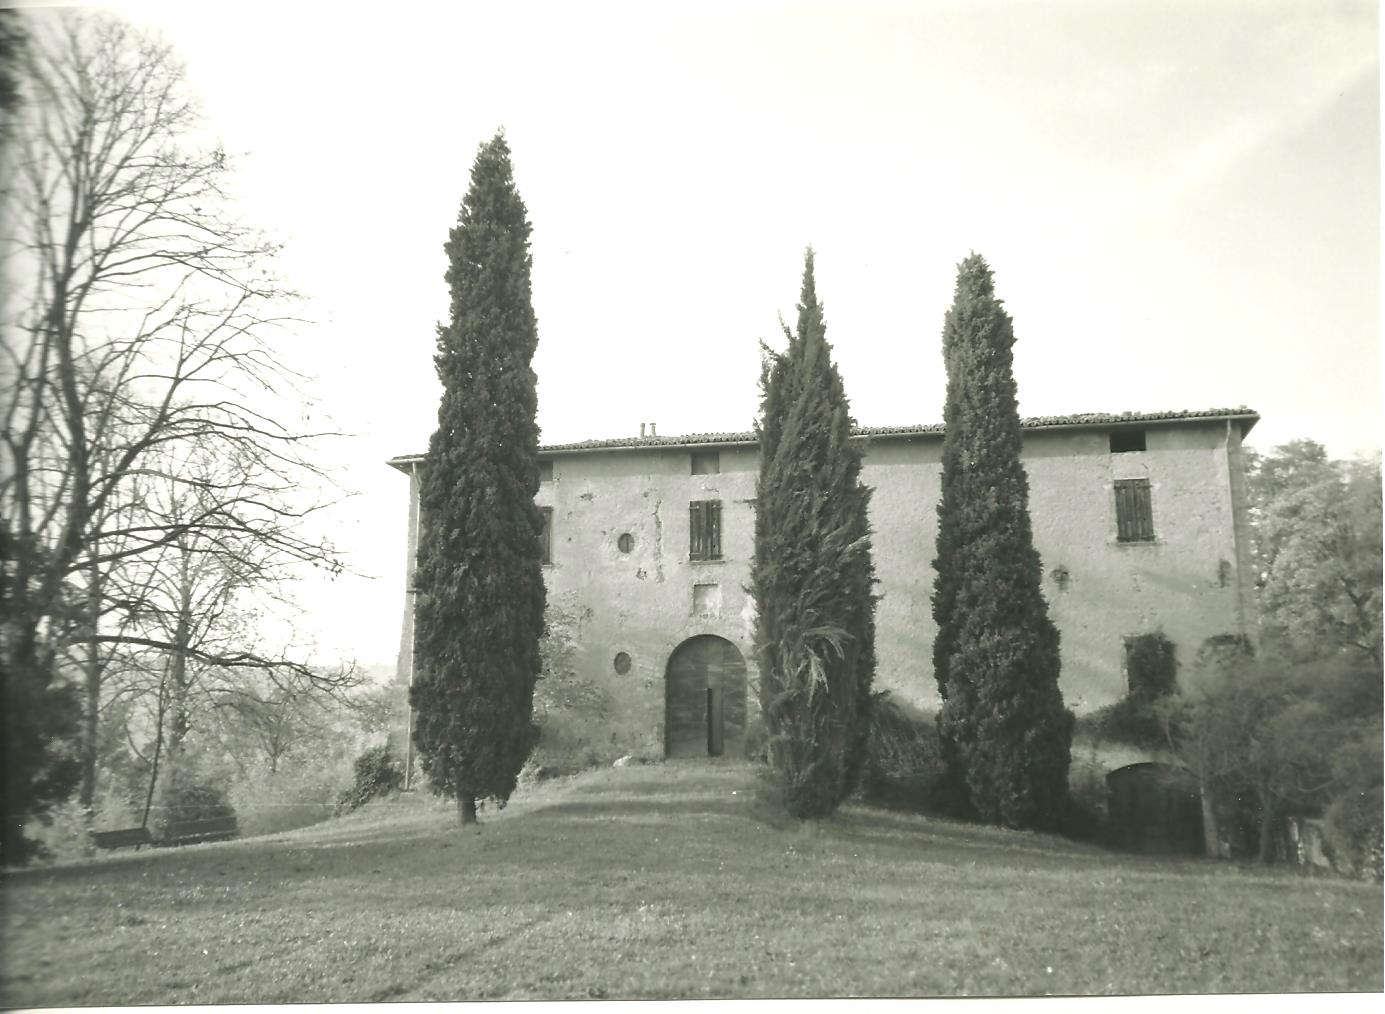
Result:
[625,543]
[621,663]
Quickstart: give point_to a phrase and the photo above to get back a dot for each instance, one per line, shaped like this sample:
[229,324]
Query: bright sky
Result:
[1180,201]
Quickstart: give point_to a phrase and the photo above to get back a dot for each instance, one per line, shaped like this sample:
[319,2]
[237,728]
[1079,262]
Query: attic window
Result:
[706,462]
[546,470]
[1124,441]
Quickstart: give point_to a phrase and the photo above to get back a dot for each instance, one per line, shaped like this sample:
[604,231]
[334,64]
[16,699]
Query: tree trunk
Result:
[91,694]
[466,804]
[1211,839]
[153,775]
[1211,836]
[1266,826]
[177,728]
[158,749]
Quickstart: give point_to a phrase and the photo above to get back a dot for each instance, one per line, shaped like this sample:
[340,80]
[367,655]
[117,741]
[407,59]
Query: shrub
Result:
[757,741]
[1135,721]
[195,801]
[289,799]
[570,730]
[566,742]
[188,800]
[1089,801]
[903,765]
[1353,832]
[62,836]
[378,773]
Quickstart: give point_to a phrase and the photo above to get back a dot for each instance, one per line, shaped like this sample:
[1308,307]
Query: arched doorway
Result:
[1155,808]
[704,699]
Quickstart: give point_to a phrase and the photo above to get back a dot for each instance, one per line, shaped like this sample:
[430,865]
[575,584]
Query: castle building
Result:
[1140,521]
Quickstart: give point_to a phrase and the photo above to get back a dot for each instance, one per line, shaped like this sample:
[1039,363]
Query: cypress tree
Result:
[479,582]
[812,576]
[1006,732]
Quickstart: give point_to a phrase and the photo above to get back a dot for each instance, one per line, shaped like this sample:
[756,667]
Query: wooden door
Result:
[704,698]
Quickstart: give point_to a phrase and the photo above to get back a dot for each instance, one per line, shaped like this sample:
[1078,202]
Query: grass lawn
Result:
[674,880]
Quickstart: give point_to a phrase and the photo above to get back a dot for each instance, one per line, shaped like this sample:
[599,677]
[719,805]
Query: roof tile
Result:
[745,438]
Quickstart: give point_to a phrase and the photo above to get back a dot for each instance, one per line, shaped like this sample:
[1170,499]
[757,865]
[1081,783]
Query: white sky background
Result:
[1180,201]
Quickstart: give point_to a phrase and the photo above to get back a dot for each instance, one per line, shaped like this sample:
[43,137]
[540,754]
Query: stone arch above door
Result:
[704,699]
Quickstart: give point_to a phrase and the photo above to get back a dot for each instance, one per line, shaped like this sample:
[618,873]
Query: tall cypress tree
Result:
[812,575]
[479,582]
[1006,732]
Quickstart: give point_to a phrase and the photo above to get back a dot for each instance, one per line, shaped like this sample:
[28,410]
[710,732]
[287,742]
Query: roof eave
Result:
[1245,418]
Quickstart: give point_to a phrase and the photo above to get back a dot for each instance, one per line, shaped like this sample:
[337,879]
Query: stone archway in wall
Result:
[704,699]
[1155,808]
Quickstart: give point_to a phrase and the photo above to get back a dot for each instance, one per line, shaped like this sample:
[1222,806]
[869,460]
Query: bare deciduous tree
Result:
[142,334]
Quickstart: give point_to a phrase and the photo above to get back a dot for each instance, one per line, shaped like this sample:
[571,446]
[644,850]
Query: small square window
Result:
[704,530]
[546,470]
[1125,441]
[546,536]
[1134,511]
[706,462]
[706,600]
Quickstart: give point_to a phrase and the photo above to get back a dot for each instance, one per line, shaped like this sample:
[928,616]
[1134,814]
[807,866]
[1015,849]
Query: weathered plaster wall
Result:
[642,602]
[1192,582]
[1112,589]
[1186,582]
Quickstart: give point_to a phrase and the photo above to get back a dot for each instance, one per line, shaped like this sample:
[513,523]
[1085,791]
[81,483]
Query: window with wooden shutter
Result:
[546,536]
[704,530]
[1134,512]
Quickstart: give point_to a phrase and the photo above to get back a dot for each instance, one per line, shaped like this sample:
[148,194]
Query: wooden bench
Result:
[191,832]
[122,838]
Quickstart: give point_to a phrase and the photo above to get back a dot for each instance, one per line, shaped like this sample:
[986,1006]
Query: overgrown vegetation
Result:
[812,574]
[1353,831]
[571,712]
[1151,662]
[1142,717]
[1007,735]
[1271,739]
[379,773]
[904,767]
[189,801]
[479,612]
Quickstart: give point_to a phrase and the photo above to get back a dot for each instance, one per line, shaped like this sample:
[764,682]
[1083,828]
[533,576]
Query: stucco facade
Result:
[643,597]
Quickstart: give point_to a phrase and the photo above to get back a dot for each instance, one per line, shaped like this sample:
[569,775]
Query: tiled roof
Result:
[1084,420]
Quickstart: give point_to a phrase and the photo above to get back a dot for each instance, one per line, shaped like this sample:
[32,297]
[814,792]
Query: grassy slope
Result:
[668,881]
